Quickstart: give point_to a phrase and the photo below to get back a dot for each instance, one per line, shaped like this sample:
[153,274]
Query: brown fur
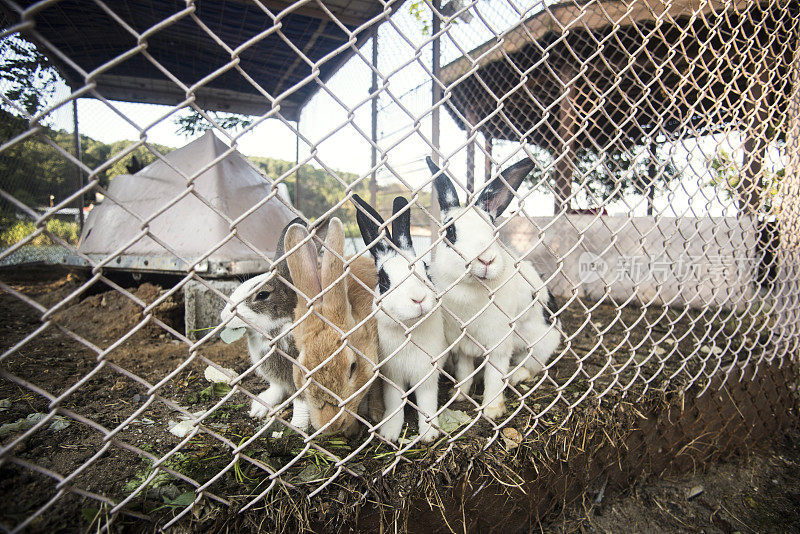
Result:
[345,303]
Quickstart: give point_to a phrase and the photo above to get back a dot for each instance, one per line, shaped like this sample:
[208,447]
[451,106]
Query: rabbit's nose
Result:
[416,300]
[487,262]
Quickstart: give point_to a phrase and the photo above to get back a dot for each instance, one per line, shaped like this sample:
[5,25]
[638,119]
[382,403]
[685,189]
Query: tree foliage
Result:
[612,174]
[33,170]
[26,76]
[726,176]
[194,123]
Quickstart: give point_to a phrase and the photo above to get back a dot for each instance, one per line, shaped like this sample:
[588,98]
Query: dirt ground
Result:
[108,394]
[757,493]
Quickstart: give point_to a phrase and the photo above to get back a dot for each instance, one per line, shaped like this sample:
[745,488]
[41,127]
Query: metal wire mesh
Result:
[602,245]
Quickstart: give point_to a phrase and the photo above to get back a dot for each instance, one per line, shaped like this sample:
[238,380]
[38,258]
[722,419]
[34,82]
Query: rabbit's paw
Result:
[493,411]
[429,434]
[458,393]
[391,431]
[258,410]
[520,375]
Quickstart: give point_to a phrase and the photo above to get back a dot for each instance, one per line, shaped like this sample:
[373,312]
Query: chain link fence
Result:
[543,249]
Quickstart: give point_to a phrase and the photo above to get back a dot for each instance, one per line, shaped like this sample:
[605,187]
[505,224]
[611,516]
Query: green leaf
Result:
[184,499]
[311,473]
[90,513]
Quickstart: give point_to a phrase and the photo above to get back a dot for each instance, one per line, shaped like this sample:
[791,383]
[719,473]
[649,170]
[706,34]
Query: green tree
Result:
[194,123]
[612,174]
[726,176]
[28,78]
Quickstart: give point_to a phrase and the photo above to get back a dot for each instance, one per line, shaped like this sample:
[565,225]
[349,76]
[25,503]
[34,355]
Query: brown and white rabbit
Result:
[337,338]
[268,304]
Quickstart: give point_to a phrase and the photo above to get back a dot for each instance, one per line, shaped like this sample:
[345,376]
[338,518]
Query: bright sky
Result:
[336,142]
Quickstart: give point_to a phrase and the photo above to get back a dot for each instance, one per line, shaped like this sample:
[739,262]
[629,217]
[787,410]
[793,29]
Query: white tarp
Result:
[190,227]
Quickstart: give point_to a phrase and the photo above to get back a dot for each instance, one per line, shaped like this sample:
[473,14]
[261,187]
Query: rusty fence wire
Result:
[527,231]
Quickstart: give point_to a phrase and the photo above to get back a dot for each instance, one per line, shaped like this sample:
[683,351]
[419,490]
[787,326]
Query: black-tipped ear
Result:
[401,225]
[280,249]
[369,222]
[445,190]
[496,196]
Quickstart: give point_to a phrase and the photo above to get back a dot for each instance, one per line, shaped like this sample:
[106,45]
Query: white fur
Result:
[258,346]
[409,360]
[536,340]
[490,323]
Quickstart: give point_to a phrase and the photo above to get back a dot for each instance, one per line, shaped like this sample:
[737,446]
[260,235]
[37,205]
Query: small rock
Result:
[694,491]
[137,398]
[216,376]
[512,438]
[658,351]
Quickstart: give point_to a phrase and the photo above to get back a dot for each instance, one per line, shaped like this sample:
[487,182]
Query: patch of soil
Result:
[759,493]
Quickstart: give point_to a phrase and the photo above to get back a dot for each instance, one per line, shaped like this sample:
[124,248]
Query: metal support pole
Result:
[373,182]
[436,97]
[487,171]
[297,163]
[471,120]
[652,172]
[79,157]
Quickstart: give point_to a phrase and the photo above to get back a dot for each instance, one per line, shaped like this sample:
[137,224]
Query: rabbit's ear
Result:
[280,249]
[445,190]
[401,225]
[302,263]
[496,196]
[335,297]
[320,230]
[369,222]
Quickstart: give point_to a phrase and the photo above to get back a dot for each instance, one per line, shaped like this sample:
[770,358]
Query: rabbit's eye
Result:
[261,295]
[450,234]
[353,367]
[383,281]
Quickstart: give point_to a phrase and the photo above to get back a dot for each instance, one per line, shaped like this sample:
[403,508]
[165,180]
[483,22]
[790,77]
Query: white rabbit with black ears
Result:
[410,329]
[481,285]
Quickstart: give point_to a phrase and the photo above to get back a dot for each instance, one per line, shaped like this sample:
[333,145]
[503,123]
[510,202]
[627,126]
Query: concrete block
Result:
[203,305]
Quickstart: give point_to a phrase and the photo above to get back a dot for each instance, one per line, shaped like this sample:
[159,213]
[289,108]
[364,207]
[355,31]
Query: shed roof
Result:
[637,69]
[153,51]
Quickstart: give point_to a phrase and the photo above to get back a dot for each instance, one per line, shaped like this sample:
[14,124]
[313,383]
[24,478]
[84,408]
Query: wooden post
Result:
[373,182]
[755,144]
[565,155]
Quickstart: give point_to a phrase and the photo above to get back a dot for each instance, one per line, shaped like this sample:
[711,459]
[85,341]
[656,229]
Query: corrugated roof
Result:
[204,38]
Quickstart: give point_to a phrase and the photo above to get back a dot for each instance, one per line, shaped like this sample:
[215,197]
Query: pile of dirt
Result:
[106,317]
